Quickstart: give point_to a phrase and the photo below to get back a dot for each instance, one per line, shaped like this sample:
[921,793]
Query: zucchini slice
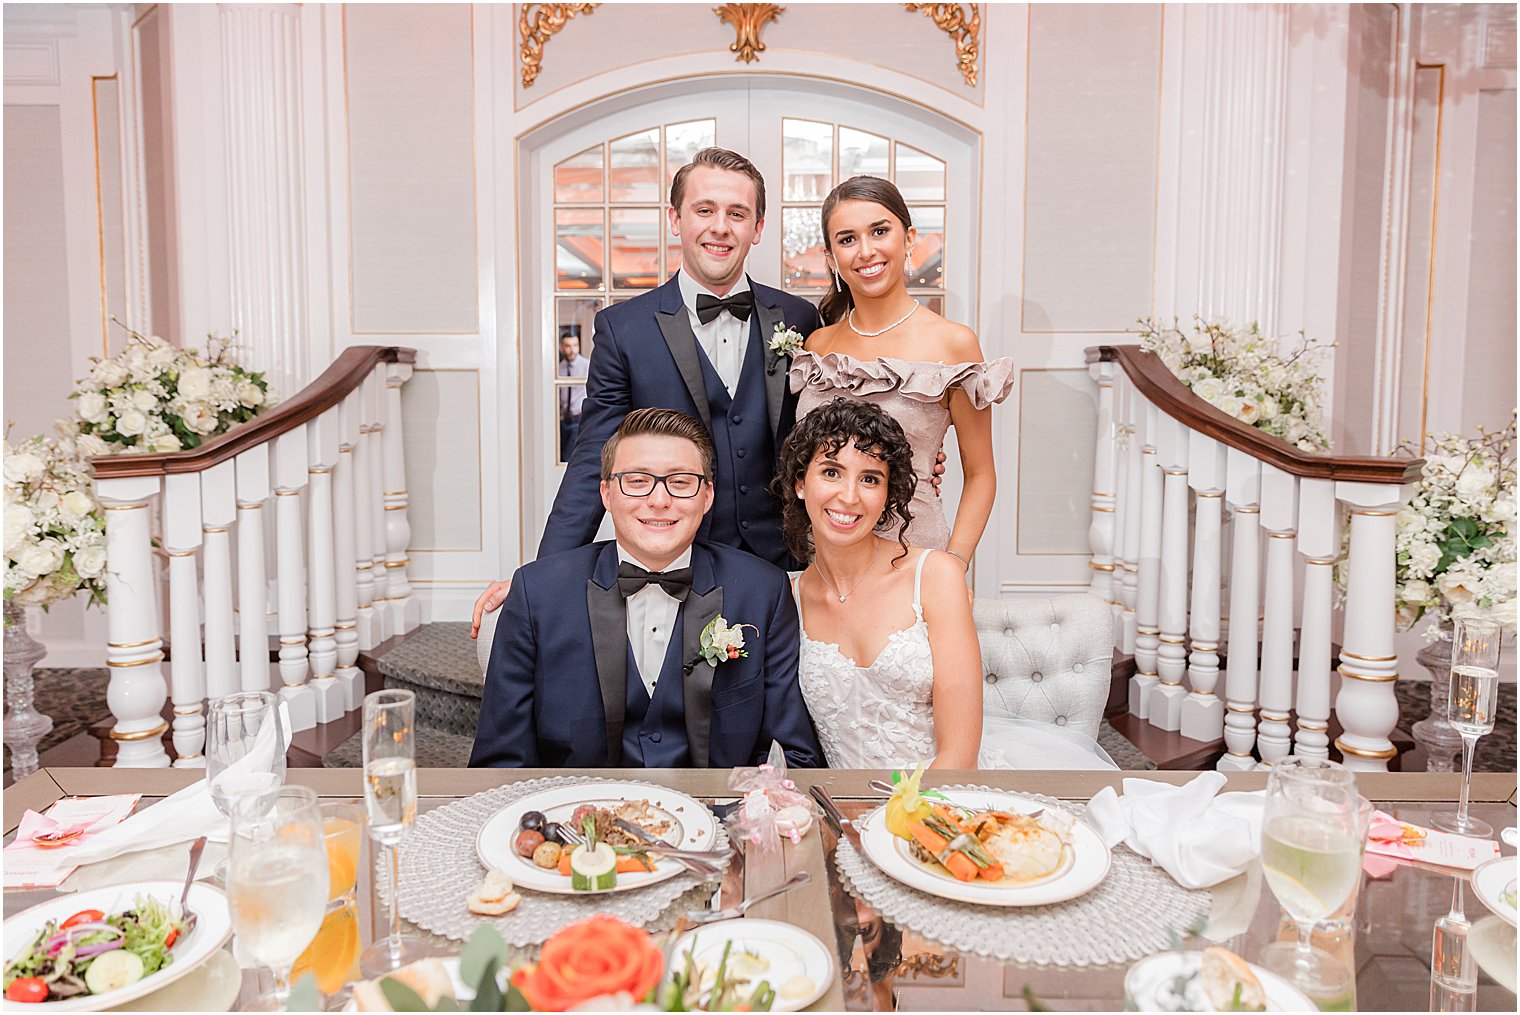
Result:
[593,870]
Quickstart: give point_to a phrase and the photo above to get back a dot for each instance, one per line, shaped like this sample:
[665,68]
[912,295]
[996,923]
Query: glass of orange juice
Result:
[333,955]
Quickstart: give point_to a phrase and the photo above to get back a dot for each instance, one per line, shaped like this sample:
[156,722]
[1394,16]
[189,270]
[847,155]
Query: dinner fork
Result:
[701,918]
[659,845]
[692,862]
[882,786]
[189,915]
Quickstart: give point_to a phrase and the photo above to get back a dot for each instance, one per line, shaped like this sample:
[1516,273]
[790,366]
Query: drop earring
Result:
[838,285]
[908,260]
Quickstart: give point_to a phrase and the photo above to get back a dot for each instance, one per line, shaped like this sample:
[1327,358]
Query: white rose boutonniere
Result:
[720,642]
[786,341]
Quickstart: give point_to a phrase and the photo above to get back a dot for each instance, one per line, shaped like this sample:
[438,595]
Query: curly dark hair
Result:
[833,425]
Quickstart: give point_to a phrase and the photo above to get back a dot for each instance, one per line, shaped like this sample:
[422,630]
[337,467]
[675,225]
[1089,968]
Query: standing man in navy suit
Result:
[699,343]
[599,661]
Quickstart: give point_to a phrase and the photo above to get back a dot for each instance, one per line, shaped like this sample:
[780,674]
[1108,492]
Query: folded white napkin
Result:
[1193,832]
[189,813]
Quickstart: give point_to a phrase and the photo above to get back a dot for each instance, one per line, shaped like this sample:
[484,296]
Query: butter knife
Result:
[832,814]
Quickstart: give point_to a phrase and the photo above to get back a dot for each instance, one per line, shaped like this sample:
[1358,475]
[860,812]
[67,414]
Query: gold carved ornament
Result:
[747,20]
[536,24]
[963,28]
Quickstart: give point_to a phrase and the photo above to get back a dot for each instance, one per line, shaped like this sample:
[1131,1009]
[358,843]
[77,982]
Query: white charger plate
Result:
[790,952]
[1489,881]
[211,932]
[694,827]
[1084,863]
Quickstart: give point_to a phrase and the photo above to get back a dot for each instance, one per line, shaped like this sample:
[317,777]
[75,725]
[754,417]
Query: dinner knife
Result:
[835,817]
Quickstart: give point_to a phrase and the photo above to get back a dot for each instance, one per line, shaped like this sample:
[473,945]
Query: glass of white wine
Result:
[277,883]
[244,764]
[1314,831]
[390,793]
[1470,707]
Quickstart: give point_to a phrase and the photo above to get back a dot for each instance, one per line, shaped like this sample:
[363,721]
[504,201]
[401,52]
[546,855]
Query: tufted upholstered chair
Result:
[1046,659]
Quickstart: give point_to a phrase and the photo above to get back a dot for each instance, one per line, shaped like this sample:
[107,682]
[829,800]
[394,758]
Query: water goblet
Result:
[1313,835]
[277,883]
[1470,707]
[390,793]
[244,764]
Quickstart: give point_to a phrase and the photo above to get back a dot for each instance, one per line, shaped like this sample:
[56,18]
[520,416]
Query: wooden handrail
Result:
[345,374]
[1172,397]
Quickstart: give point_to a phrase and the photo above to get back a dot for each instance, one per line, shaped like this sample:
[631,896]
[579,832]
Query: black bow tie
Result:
[632,578]
[739,304]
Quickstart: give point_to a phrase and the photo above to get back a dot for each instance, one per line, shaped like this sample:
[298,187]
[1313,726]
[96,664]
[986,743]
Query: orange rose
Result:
[602,955]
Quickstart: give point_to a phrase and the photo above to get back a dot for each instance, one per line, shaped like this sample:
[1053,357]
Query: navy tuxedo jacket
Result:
[559,676]
[645,354]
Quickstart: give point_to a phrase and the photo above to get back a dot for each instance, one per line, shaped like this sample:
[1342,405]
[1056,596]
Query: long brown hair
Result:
[836,303]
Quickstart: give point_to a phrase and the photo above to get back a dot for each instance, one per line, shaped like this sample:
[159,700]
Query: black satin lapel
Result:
[682,341]
[776,364]
[698,673]
[609,640]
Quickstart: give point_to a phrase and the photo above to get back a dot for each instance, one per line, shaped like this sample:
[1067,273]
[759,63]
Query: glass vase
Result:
[24,725]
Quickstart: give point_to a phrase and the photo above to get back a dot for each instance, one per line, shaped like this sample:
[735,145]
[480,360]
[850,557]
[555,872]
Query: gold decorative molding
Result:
[747,20]
[963,28]
[536,25]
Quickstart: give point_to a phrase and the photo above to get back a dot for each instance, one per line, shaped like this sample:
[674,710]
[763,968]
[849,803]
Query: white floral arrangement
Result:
[1244,375]
[154,397]
[1455,539]
[55,531]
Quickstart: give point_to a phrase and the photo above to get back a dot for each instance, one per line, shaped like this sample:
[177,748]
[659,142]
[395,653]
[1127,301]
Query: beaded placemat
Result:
[1132,914]
[439,871]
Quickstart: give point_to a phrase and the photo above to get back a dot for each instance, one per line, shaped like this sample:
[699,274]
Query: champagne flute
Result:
[1470,707]
[244,764]
[1314,831]
[390,792]
[277,883]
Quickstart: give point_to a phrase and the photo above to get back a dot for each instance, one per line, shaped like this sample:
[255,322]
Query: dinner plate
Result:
[211,932]
[1146,975]
[694,827]
[1084,862]
[1491,880]
[787,952]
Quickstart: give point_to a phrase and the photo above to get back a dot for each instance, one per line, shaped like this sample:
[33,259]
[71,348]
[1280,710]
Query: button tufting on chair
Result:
[992,678]
[1027,673]
[1037,676]
[1060,720]
[1076,667]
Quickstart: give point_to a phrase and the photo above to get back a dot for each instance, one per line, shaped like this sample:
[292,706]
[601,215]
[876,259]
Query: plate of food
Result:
[737,958]
[1214,979]
[985,847]
[93,950]
[526,840]
[1494,882]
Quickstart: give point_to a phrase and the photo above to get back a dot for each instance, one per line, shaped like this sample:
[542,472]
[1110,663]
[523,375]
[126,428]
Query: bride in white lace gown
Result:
[845,476]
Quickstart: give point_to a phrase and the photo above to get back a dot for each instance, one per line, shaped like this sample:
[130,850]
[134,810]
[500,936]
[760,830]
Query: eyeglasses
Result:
[680,485]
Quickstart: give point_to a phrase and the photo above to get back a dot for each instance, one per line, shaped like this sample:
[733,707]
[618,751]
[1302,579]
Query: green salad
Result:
[92,953]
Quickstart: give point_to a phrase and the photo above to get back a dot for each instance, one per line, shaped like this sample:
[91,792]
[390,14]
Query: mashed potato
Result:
[1030,848]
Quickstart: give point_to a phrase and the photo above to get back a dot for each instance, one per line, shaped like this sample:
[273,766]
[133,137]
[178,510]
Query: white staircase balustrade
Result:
[1204,526]
[322,464]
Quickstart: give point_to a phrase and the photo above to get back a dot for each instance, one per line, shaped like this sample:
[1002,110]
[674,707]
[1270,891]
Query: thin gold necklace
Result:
[870,571]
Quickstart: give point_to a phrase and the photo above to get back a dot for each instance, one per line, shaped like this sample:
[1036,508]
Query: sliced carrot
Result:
[631,864]
[959,865]
[564,863]
[993,872]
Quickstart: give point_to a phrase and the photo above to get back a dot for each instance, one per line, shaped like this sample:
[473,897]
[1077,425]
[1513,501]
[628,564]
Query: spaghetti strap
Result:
[797,597]
[918,581]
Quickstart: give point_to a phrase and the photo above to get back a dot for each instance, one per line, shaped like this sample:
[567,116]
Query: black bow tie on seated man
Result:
[632,578]
[739,304]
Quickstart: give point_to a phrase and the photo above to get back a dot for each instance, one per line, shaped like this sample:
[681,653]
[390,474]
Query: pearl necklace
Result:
[883,331]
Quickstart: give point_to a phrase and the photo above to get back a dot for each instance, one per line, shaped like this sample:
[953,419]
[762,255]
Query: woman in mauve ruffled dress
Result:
[880,345]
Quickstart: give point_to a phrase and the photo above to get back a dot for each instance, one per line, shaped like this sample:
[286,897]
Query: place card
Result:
[1389,837]
[29,865]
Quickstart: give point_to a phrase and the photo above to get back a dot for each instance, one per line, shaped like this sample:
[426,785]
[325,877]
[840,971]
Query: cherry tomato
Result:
[83,916]
[173,937]
[27,989]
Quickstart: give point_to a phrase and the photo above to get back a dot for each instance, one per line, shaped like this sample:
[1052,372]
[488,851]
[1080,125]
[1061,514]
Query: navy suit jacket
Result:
[555,685]
[644,354]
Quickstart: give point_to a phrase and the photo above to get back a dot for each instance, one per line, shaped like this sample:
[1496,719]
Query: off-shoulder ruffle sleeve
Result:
[985,383]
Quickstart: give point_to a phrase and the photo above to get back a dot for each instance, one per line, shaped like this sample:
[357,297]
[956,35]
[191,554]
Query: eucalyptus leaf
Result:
[402,997]
[485,947]
[305,996]
[488,996]
[514,1000]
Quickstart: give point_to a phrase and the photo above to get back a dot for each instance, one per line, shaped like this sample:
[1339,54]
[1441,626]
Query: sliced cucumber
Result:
[593,869]
[112,971]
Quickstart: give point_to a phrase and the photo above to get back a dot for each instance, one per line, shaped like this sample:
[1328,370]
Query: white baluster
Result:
[1124,503]
[1366,706]
[373,499]
[1279,516]
[187,677]
[136,692]
[1129,563]
[346,591]
[405,610]
[1244,495]
[1100,532]
[321,454]
[364,533]
[1319,542]
[1202,712]
[1171,662]
[253,593]
[1148,578]
[289,480]
[218,511]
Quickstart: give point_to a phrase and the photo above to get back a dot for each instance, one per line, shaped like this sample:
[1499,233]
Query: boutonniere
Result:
[720,642]
[784,342]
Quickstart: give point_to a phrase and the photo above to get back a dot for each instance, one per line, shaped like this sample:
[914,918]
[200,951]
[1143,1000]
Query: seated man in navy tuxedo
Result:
[598,659]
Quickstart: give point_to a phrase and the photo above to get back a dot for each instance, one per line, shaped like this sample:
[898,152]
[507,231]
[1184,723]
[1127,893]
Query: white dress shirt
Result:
[652,615]
[725,337]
